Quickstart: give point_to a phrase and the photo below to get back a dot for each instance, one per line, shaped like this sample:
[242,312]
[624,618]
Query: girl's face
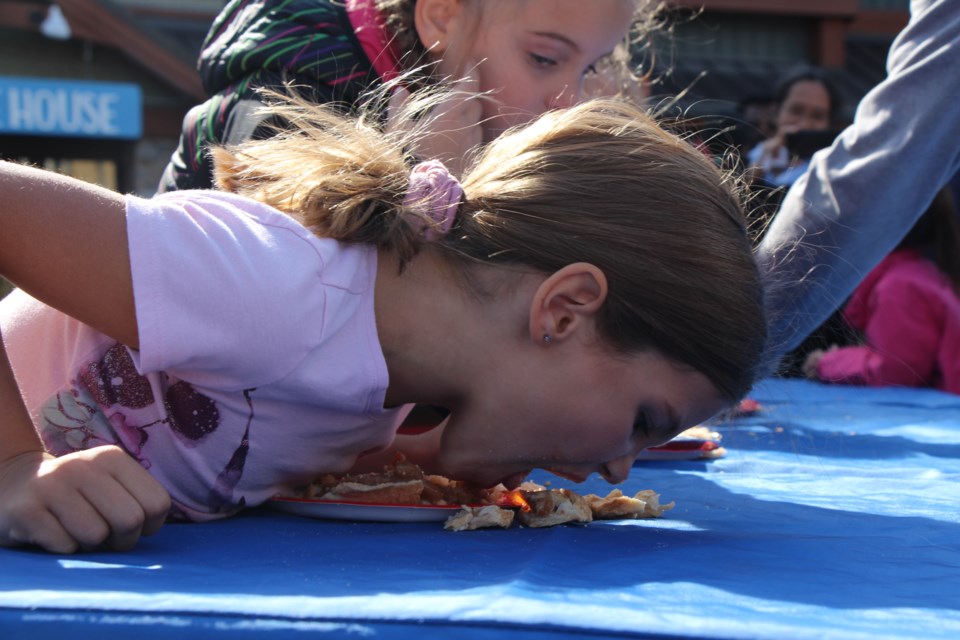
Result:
[575,410]
[532,56]
[806,107]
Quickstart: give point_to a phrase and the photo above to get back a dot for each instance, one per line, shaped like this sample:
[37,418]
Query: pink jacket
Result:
[911,318]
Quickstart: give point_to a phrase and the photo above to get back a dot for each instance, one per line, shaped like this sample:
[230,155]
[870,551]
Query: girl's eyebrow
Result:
[558,37]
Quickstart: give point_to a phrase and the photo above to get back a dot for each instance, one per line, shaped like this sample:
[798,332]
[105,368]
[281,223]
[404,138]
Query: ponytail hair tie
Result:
[433,197]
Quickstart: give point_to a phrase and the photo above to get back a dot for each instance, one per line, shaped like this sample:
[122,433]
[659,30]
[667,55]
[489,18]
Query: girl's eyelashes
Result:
[542,61]
[548,62]
[641,426]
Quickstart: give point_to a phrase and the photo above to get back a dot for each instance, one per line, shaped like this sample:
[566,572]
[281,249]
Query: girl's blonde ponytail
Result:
[340,177]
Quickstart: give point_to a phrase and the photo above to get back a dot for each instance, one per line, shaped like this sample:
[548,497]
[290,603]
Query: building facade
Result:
[98,88]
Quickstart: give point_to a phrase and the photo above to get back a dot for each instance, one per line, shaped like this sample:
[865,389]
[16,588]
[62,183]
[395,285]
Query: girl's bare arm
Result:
[65,242]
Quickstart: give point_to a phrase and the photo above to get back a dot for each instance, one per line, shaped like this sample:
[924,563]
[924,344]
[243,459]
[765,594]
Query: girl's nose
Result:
[616,471]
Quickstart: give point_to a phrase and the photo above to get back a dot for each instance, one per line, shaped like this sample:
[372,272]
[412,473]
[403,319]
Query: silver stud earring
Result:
[547,338]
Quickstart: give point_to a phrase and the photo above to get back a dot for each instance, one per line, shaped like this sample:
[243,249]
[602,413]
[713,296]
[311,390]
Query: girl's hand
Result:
[451,127]
[81,501]
[773,153]
[810,364]
[813,361]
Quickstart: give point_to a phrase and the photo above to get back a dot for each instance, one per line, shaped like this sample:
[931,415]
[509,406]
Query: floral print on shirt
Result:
[109,402]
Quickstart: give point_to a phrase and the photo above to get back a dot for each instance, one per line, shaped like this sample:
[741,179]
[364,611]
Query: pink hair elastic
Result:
[435,194]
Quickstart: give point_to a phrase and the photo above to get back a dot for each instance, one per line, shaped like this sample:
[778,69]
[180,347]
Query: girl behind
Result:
[528,56]
[908,311]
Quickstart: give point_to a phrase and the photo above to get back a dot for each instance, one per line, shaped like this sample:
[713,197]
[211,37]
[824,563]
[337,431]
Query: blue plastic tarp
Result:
[834,514]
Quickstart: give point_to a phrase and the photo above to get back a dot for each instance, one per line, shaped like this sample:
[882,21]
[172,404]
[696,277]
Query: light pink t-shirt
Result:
[259,364]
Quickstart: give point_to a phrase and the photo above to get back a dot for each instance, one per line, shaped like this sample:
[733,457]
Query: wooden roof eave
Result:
[104,24]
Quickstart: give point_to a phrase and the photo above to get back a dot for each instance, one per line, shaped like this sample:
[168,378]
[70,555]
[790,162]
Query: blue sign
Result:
[70,108]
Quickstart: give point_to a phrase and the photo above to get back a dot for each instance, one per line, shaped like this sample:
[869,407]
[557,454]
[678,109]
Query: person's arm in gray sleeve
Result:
[861,196]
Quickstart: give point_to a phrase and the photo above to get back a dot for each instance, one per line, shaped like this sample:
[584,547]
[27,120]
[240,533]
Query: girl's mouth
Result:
[514,481]
[569,476]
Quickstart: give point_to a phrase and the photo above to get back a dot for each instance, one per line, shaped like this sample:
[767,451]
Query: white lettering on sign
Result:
[62,111]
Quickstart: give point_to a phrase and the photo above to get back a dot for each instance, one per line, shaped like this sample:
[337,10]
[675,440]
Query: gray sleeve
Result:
[862,195]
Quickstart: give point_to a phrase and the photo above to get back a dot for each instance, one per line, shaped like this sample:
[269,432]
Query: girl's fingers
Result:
[155,515]
[122,515]
[43,530]
[82,500]
[81,520]
[149,495]
[106,498]
[130,500]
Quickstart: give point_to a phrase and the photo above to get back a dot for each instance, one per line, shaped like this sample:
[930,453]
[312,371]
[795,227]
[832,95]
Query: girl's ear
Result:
[436,23]
[567,302]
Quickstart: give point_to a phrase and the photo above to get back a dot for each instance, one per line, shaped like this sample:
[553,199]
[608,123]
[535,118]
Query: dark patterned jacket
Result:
[265,43]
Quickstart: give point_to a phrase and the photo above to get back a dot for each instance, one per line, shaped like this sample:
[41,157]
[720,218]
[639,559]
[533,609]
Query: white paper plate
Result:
[364,511]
